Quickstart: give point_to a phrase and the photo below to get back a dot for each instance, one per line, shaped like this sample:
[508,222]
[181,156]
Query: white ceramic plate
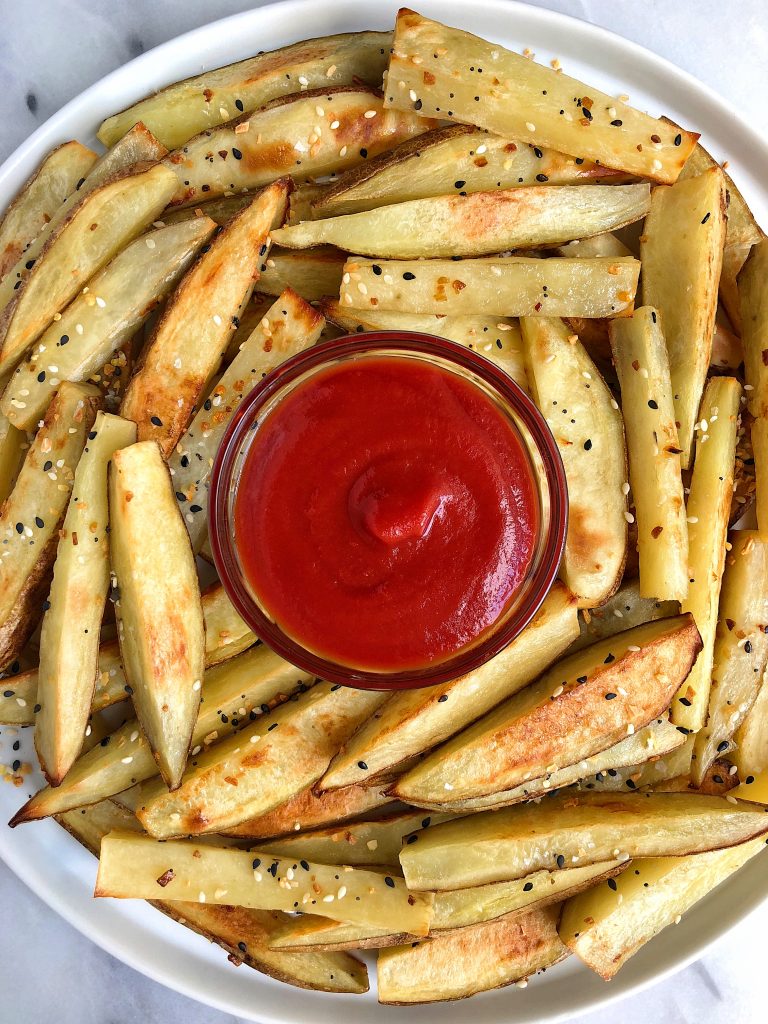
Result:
[50,861]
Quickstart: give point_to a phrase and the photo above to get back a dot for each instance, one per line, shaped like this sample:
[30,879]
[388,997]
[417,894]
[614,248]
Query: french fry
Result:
[121,209]
[310,274]
[588,429]
[575,829]
[130,866]
[453,159]
[53,182]
[245,935]
[159,612]
[192,335]
[69,639]
[505,286]
[497,339]
[185,108]
[416,720]
[622,611]
[305,735]
[242,689]
[753,293]
[583,705]
[30,516]
[522,100]
[640,358]
[682,253]
[469,960]
[118,301]
[477,224]
[607,925]
[741,648]
[282,138]
[709,504]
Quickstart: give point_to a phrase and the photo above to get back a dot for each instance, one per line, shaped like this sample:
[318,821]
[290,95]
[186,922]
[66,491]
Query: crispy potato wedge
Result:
[159,612]
[607,925]
[98,322]
[121,209]
[753,292]
[415,720]
[453,159]
[682,253]
[247,322]
[622,611]
[30,516]
[580,707]
[522,100]
[283,138]
[709,503]
[309,810]
[642,364]
[240,690]
[305,734]
[53,182]
[572,829]
[310,274]
[656,739]
[185,108]
[288,327]
[130,866]
[741,233]
[69,639]
[741,648]
[507,286]
[497,339]
[13,444]
[245,935]
[191,337]
[567,387]
[477,224]
[469,960]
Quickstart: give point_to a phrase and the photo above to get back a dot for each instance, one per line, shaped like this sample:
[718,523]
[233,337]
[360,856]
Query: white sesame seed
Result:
[369,114]
[303,80]
[629,517]
[412,96]
[257,875]
[656,165]
[150,243]
[329,898]
[255,739]
[343,151]
[319,111]
[530,127]
[448,786]
[196,685]
[177,363]
[134,735]
[331,71]
[217,319]
[372,844]
[691,519]
[100,302]
[630,729]
[201,897]
[88,730]
[342,892]
[126,760]
[79,328]
[625,488]
[21,702]
[481,149]
[220,894]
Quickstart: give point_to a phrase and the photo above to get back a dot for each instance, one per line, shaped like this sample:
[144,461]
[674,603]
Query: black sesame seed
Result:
[408,276]
[237,154]
[411,839]
[17,744]
[239,104]
[442,698]
[273,726]
[418,105]
[105,741]
[39,523]
[652,404]
[586,113]
[560,860]
[722,746]
[749,780]
[459,184]
[156,420]
[612,884]
[180,496]
[748,647]
[610,696]
[37,708]
[19,528]
[362,765]
[46,605]
[541,177]
[389,881]
[195,508]
[685,702]
[617,123]
[579,160]
[16,765]
[376,269]
[718,779]
[581,679]
[653,316]
[8,693]
[256,863]
[363,153]
[678,140]
[528,886]
[705,218]
[609,659]
[184,461]
[587,445]
[304,864]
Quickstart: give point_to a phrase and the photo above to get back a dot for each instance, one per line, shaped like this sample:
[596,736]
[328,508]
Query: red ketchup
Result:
[386,514]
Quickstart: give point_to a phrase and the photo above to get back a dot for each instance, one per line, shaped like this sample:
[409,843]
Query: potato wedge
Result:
[69,639]
[682,253]
[307,932]
[469,960]
[497,339]
[507,286]
[580,707]
[185,108]
[622,611]
[523,100]
[93,327]
[307,810]
[226,634]
[130,866]
[605,244]
[245,935]
[282,138]
[453,159]
[753,292]
[415,720]
[221,211]
[709,503]
[310,274]
[305,735]
[575,829]
[30,516]
[238,691]
[751,739]
[607,925]
[192,335]
[158,608]
[288,327]
[13,444]
[741,648]
[477,224]
[642,364]
[302,198]
[653,773]
[567,387]
[53,182]
[121,209]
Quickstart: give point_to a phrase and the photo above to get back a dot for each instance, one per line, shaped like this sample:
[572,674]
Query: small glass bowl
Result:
[546,468]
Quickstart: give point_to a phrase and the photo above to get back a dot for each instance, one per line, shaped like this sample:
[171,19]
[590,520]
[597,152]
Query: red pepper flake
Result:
[656,531]
[166,877]
[208,94]
[429,78]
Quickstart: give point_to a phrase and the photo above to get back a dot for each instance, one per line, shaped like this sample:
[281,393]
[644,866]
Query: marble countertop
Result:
[50,50]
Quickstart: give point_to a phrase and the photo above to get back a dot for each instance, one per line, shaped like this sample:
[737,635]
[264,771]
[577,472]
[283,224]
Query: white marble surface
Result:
[49,51]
